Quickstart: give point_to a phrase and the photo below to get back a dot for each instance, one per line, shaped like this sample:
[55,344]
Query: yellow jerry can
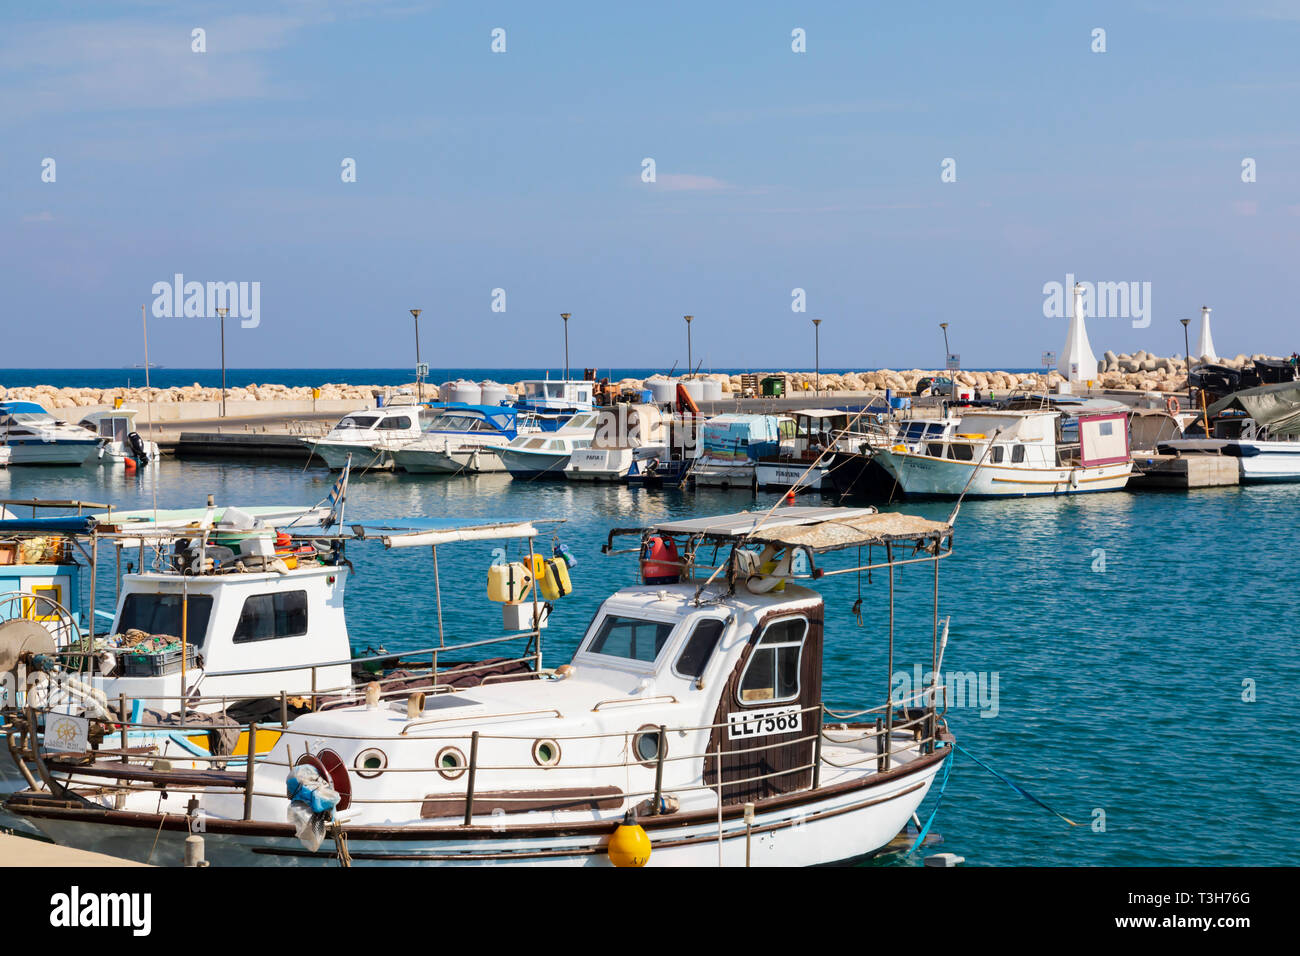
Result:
[509,583]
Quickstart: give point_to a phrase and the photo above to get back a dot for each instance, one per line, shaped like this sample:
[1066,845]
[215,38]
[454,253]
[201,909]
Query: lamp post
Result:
[689,367]
[946,351]
[565,317]
[817,353]
[419,379]
[1187,355]
[221,316]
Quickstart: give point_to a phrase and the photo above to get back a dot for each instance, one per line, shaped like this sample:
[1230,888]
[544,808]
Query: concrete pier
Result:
[22,851]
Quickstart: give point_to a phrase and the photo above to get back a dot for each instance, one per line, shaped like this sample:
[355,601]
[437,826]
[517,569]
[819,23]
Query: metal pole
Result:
[565,317]
[419,376]
[473,769]
[249,751]
[889,704]
[437,591]
[690,366]
[1187,354]
[817,339]
[659,769]
[221,314]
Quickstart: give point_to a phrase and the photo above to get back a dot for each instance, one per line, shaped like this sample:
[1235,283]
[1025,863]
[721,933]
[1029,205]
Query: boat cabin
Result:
[558,394]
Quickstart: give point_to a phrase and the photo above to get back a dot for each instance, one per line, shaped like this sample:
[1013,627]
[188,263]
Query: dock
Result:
[26,851]
[1184,471]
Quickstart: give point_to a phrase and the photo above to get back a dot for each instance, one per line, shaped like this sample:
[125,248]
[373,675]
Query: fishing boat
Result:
[215,607]
[689,728]
[854,471]
[465,439]
[1014,453]
[546,455]
[369,436]
[627,437]
[802,462]
[121,440]
[35,437]
[732,444]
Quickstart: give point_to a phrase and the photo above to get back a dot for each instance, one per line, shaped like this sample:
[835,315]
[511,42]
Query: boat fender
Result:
[629,845]
[660,562]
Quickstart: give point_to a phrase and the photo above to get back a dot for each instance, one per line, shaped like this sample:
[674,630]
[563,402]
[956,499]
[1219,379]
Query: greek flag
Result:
[338,497]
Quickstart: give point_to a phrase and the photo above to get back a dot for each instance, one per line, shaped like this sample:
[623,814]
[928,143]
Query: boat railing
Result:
[893,730]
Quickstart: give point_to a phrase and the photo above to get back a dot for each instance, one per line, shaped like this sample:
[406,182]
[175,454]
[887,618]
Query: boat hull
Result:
[923,475]
[834,825]
[786,475]
[534,465]
[335,455]
[37,452]
[469,461]
[1271,461]
[722,475]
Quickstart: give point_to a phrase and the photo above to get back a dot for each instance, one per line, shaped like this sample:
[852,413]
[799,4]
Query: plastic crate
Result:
[155,665]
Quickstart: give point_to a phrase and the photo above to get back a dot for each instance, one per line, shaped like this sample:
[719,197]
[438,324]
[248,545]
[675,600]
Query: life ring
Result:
[1171,405]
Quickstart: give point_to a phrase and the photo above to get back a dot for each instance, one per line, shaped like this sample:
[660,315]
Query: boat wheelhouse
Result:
[121,440]
[692,712]
[1014,453]
[465,439]
[557,395]
[35,437]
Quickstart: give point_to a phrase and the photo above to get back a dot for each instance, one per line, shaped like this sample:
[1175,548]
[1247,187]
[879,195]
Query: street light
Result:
[1187,355]
[817,352]
[946,351]
[565,317]
[689,366]
[419,379]
[221,315]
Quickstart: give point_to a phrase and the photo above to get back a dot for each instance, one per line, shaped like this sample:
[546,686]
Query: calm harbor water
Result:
[1115,634]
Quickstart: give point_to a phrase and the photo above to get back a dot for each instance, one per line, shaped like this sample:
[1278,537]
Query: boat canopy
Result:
[16,408]
[731,436]
[1276,407]
[423,532]
[811,528]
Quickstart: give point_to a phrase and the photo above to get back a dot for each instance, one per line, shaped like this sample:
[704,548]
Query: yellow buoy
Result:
[629,846]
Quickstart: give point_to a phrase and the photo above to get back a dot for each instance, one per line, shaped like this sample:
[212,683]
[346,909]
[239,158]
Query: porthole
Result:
[450,762]
[371,763]
[646,744]
[546,753]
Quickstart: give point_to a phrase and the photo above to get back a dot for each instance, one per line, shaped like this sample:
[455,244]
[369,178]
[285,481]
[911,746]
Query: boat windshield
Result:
[630,638]
[583,420]
[31,418]
[358,421]
[162,614]
[455,423]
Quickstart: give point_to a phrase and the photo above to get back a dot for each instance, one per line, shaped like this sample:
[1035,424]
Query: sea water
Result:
[1130,659]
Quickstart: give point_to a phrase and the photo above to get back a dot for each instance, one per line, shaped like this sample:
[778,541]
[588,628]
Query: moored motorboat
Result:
[465,439]
[121,440]
[732,444]
[546,455]
[369,436]
[35,437]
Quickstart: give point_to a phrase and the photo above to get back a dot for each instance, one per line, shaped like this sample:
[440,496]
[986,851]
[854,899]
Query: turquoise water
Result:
[1117,690]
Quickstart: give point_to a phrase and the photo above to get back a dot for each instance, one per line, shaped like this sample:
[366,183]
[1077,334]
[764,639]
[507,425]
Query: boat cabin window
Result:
[934,449]
[772,673]
[161,614]
[390,424]
[630,638]
[995,456]
[961,451]
[699,648]
[266,617]
[1017,453]
[358,421]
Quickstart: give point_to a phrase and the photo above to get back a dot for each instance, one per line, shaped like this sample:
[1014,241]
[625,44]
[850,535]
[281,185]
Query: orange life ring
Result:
[1171,405]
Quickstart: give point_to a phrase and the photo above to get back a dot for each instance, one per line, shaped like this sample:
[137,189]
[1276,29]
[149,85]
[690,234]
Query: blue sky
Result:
[522,171]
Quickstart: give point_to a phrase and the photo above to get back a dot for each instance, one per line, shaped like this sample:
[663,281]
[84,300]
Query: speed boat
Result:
[371,435]
[465,439]
[35,437]
[547,455]
[121,441]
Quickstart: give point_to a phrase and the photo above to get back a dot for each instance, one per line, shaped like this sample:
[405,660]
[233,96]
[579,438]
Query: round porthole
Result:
[450,762]
[371,763]
[546,753]
[646,744]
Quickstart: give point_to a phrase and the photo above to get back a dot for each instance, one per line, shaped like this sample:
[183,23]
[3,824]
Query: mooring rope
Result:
[1016,787]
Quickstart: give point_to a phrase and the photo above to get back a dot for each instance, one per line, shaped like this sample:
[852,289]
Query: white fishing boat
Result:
[35,437]
[1008,453]
[689,728]
[465,439]
[547,454]
[732,444]
[626,438]
[121,440]
[804,459]
[369,436]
